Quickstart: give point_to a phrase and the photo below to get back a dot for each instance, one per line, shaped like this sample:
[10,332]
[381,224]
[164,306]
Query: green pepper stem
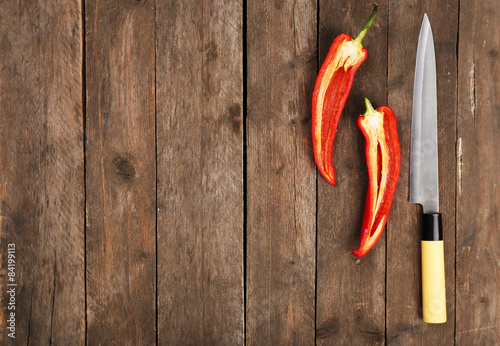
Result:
[369,22]
[369,108]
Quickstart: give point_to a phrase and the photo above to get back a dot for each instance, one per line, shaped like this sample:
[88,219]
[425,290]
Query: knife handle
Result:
[433,283]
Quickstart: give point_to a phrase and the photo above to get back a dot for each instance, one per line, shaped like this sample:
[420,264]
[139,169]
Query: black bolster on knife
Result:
[432,228]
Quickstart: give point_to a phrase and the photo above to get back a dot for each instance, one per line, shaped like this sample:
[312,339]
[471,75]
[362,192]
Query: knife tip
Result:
[426,24]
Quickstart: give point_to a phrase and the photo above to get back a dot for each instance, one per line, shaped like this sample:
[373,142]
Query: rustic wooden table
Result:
[157,178]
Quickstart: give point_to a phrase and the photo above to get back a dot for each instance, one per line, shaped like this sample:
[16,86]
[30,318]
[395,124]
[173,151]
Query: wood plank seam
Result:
[84,146]
[156,168]
[386,226]
[318,176]
[458,181]
[245,162]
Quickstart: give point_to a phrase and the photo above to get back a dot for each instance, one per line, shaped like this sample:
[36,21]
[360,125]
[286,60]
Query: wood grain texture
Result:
[41,170]
[351,290]
[404,303]
[120,172]
[200,172]
[478,195]
[281,185]
[164,84]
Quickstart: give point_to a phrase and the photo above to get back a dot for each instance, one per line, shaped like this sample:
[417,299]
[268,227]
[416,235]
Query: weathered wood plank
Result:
[41,170]
[120,172]
[351,290]
[281,185]
[200,172]
[404,302]
[478,197]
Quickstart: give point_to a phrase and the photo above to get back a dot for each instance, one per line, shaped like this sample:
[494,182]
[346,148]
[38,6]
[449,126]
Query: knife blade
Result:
[424,185]
[424,181]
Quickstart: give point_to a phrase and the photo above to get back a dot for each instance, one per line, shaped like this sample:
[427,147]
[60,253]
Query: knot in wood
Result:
[124,169]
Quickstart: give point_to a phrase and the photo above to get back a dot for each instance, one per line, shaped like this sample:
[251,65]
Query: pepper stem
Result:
[369,108]
[369,22]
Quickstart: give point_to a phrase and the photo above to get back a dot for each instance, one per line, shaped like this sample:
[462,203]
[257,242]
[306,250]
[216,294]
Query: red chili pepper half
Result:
[332,87]
[383,159]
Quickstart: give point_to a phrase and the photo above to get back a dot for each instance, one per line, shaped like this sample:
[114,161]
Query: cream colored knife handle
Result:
[433,284]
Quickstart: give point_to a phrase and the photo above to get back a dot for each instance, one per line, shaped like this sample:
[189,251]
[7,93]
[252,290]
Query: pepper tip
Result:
[331,180]
[329,174]
[358,253]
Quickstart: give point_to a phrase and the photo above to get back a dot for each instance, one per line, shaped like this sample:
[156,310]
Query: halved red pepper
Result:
[333,85]
[383,159]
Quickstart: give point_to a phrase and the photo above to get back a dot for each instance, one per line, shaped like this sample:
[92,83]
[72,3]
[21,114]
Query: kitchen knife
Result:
[424,185]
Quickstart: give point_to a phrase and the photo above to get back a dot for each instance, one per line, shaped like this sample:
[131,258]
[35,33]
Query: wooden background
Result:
[158,181]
